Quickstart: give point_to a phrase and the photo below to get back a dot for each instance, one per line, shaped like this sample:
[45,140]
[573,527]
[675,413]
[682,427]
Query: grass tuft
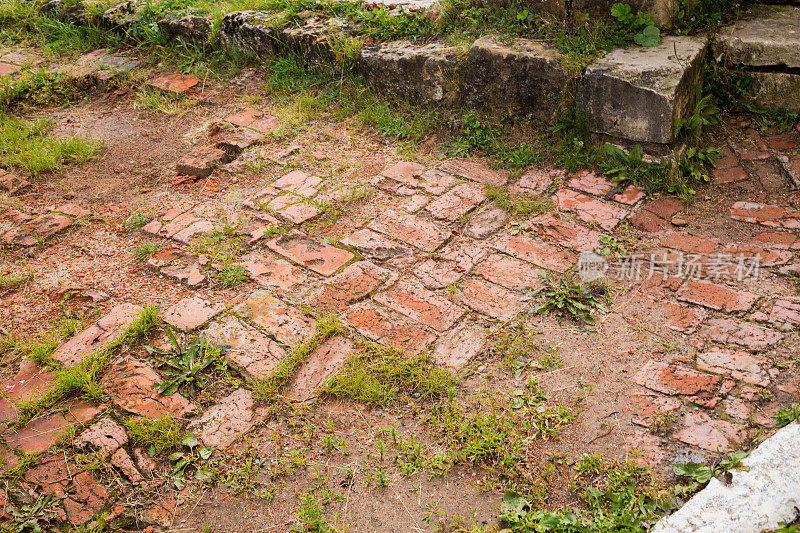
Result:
[160,435]
[517,204]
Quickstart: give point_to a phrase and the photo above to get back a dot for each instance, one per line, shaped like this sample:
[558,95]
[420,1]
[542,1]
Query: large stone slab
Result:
[636,94]
[770,37]
[421,73]
[776,90]
[756,499]
[522,77]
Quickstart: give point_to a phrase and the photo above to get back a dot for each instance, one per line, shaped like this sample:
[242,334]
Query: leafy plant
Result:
[33,517]
[704,115]
[186,460]
[700,474]
[185,366]
[787,415]
[610,247]
[567,298]
[232,276]
[640,27]
[695,163]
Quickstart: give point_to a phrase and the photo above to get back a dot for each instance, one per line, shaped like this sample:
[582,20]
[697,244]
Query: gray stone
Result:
[755,500]
[636,94]
[189,28]
[524,78]
[770,37]
[777,90]
[421,73]
[120,16]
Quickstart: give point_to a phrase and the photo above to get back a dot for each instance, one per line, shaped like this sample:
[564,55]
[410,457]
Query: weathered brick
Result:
[456,202]
[699,429]
[740,365]
[459,345]
[98,335]
[591,183]
[589,209]
[682,318]
[490,299]
[284,322]
[248,350]
[173,83]
[420,304]
[222,424]
[324,361]
[745,334]
[686,242]
[472,170]
[533,251]
[319,257]
[131,385]
[299,183]
[486,223]
[191,313]
[437,273]
[674,379]
[766,215]
[410,230]
[202,161]
[718,297]
[276,274]
[375,246]
[509,272]
[387,328]
[565,232]
[352,284]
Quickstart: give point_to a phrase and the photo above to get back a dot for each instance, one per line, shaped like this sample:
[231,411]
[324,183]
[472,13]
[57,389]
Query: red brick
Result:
[406,172]
[766,257]
[486,223]
[456,202]
[630,195]
[389,329]
[718,297]
[782,142]
[685,242]
[490,299]
[319,257]
[11,184]
[509,272]
[645,405]
[437,273]
[420,304]
[741,365]
[766,215]
[284,322]
[646,221]
[537,181]
[191,313]
[184,220]
[299,183]
[785,313]
[745,334]
[222,424]
[249,351]
[674,379]
[683,318]
[459,345]
[729,175]
[565,232]
[353,283]
[376,246]
[88,499]
[699,429]
[255,120]
[589,209]
[469,169]
[202,161]
[324,361]
[410,230]
[7,69]
[173,83]
[275,273]
[104,436]
[39,435]
[536,252]
[194,229]
[664,207]
[463,254]
[776,239]
[293,208]
[98,335]
[130,384]
[591,183]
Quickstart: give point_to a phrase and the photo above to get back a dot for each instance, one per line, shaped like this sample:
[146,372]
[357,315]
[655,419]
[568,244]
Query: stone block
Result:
[636,94]
[189,28]
[421,73]
[523,78]
[769,37]
[777,90]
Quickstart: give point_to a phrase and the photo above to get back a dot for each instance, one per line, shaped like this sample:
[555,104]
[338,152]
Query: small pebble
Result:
[679,221]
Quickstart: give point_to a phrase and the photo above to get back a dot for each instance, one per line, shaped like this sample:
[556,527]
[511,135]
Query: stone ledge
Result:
[770,37]
[755,500]
[637,94]
[524,78]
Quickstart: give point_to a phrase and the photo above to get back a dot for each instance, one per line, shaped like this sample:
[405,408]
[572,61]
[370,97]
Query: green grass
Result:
[223,247]
[232,276]
[158,101]
[12,281]
[376,375]
[264,391]
[26,145]
[160,435]
[84,376]
[517,204]
[145,250]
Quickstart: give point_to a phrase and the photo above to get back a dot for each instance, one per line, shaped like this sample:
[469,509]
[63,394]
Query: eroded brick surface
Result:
[387,328]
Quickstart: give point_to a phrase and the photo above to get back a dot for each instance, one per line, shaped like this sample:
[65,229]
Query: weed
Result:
[155,100]
[146,250]
[610,247]
[517,204]
[357,192]
[787,415]
[140,218]
[11,282]
[35,516]
[700,474]
[311,518]
[377,375]
[185,366]
[158,435]
[265,390]
[639,27]
[223,247]
[25,145]
[567,298]
[663,424]
[232,276]
[190,459]
[25,461]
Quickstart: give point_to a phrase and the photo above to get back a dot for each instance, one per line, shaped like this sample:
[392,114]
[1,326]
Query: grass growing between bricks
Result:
[265,391]
[517,204]
[84,376]
[376,375]
[159,436]
[12,281]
